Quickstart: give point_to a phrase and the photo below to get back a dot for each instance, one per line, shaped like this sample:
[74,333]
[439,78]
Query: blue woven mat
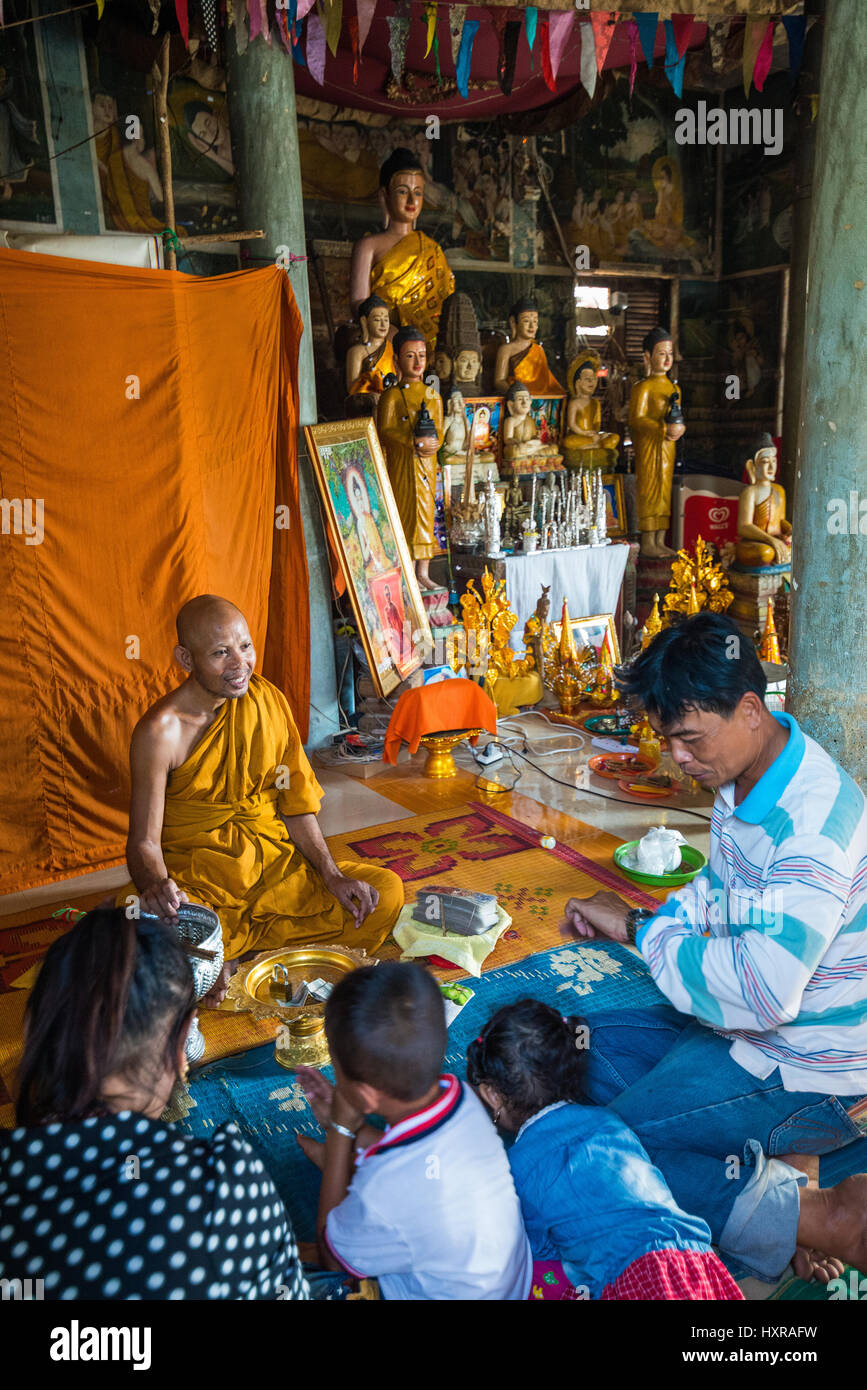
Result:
[269,1106]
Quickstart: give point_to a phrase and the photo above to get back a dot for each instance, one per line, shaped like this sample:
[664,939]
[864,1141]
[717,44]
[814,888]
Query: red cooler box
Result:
[703,505]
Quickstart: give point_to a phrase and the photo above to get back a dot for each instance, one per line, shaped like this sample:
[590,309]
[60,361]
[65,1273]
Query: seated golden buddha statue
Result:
[584,444]
[522,359]
[764,534]
[402,266]
[521,442]
[371,360]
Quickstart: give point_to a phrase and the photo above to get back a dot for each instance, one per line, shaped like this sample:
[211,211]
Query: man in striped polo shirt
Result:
[763,1057]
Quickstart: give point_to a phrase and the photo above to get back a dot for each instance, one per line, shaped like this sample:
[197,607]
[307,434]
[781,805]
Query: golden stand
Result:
[440,762]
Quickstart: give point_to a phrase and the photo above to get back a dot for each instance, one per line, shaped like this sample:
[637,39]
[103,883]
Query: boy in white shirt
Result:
[428,1207]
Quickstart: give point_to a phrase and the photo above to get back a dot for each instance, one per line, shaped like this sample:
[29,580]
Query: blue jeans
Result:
[715,1131]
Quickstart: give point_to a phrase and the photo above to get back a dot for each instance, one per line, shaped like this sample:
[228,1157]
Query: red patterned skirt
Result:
[675,1274]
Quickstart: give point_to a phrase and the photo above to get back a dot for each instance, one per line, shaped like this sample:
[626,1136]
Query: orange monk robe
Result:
[415,278]
[649,404]
[225,845]
[126,196]
[531,368]
[370,381]
[769,516]
[413,476]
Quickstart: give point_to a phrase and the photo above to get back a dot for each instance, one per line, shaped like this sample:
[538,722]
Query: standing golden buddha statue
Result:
[409,422]
[654,436]
[402,266]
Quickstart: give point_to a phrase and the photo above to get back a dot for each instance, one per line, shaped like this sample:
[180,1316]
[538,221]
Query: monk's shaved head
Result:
[201,617]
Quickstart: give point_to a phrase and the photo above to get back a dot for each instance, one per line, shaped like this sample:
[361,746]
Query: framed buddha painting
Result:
[596,632]
[615,505]
[367,537]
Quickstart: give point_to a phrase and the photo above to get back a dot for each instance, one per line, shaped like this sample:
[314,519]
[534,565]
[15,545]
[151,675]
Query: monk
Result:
[224,804]
[522,358]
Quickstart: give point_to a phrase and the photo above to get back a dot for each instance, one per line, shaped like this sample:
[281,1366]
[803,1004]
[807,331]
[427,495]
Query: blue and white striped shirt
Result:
[769,944]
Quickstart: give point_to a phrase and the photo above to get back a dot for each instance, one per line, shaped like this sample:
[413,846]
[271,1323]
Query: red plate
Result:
[648,794]
[616,765]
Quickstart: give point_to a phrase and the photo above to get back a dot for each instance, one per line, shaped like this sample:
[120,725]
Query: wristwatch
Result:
[341,1129]
[635,920]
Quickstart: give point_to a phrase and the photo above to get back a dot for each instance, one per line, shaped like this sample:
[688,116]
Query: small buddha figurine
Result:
[402,266]
[654,436]
[764,534]
[536,627]
[522,359]
[520,431]
[409,422]
[583,440]
[457,436]
[370,361]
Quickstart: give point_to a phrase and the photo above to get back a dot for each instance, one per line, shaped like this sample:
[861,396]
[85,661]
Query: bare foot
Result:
[312,1149]
[835,1219]
[813,1264]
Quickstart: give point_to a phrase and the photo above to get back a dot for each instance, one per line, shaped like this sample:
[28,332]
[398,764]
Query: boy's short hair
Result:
[704,662]
[386,1028]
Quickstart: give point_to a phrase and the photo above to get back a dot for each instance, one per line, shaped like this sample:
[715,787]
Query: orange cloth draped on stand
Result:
[436,708]
[151,418]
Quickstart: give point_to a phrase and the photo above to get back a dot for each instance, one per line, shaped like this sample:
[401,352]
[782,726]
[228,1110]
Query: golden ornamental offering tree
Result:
[488,621]
[697,582]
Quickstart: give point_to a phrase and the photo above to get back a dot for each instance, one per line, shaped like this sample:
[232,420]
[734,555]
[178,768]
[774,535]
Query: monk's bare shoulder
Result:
[161,733]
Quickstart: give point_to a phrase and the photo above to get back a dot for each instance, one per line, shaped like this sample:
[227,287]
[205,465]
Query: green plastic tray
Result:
[693,857]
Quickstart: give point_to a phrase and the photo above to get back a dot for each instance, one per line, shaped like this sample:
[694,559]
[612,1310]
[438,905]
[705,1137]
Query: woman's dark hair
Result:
[113,998]
[704,662]
[386,1028]
[531,1055]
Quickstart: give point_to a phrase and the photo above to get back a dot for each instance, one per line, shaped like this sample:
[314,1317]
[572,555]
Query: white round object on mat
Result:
[548,842]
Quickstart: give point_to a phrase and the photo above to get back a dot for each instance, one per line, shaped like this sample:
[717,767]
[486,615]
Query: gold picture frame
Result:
[364,525]
[615,506]
[592,632]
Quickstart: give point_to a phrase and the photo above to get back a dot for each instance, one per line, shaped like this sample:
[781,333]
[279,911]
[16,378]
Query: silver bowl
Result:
[200,926]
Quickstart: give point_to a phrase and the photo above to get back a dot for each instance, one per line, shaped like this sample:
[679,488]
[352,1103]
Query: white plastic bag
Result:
[658,852]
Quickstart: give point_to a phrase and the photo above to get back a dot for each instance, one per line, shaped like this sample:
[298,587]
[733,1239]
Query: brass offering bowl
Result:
[440,761]
[302,1042]
[265,986]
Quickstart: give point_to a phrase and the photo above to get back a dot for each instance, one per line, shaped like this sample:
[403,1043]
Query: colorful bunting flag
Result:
[531,16]
[457,15]
[282,21]
[315,48]
[304,8]
[331,15]
[509,57]
[398,27]
[365,9]
[297,48]
[183,21]
[465,55]
[559,28]
[266,22]
[754,37]
[100,6]
[681,24]
[647,25]
[764,57]
[430,17]
[603,33]
[588,68]
[353,40]
[242,37]
[633,53]
[674,64]
[796,29]
[255,13]
[545,46]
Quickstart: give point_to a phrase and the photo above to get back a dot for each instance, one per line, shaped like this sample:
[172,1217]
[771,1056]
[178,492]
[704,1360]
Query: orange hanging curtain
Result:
[148,429]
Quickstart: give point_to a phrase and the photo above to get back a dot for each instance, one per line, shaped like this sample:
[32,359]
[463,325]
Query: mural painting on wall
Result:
[28,196]
[202,168]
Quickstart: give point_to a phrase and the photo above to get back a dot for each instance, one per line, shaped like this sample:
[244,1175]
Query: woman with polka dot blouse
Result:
[98,1198]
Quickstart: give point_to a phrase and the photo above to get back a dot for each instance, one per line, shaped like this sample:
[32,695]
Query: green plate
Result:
[693,857]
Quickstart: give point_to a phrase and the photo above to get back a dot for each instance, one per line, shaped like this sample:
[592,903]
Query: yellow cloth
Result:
[769,516]
[654,454]
[413,476]
[415,278]
[511,692]
[224,842]
[468,952]
[369,382]
[532,369]
[589,417]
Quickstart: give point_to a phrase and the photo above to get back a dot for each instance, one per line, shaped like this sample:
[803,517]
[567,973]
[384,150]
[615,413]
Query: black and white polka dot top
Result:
[122,1207]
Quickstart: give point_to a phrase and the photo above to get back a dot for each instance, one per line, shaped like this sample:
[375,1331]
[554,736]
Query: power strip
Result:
[491,753]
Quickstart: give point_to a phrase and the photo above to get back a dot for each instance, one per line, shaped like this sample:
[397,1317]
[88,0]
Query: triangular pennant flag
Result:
[465,55]
[266,22]
[588,59]
[297,48]
[764,57]
[242,36]
[365,9]
[545,45]
[559,28]
[681,24]
[531,16]
[353,41]
[647,26]
[511,37]
[457,15]
[674,64]
[255,13]
[796,29]
[717,33]
[603,32]
[633,53]
[282,20]
[398,28]
[316,48]
[331,15]
[430,17]
[304,8]
[183,21]
[499,17]
[754,35]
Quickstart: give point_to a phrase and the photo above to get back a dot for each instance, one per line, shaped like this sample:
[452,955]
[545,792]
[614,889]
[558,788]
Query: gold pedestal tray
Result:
[302,1042]
[440,762]
[254,989]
